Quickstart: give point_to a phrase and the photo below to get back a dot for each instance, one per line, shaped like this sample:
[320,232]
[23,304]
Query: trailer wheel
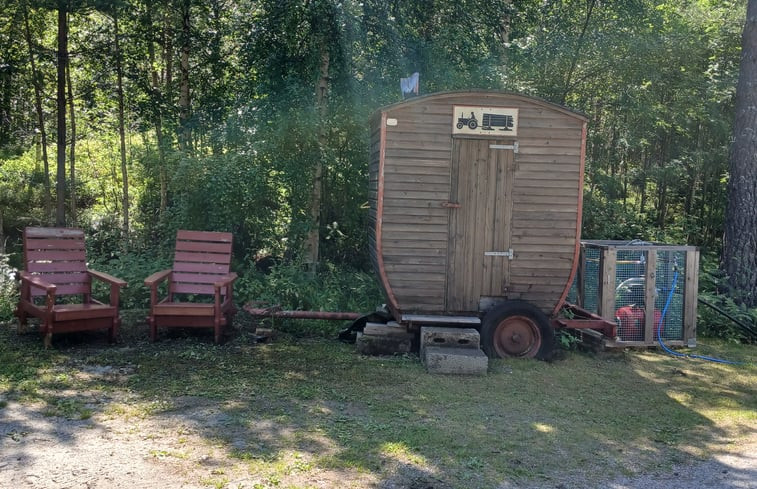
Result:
[517,329]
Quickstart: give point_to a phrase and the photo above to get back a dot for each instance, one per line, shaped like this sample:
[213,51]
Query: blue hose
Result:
[675,353]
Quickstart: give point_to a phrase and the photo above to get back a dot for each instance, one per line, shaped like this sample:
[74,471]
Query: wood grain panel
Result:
[542,198]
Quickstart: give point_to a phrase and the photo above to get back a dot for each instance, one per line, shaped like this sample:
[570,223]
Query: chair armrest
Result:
[27,281]
[227,280]
[37,282]
[105,277]
[153,280]
[157,278]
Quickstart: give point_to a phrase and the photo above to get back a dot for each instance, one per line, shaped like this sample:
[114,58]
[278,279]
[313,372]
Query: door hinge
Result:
[509,253]
[513,146]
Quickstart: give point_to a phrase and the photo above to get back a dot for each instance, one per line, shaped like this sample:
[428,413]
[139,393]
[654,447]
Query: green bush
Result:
[134,268]
[8,289]
[714,324]
[332,289]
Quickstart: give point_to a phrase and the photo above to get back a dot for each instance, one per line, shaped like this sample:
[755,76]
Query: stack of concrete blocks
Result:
[384,339]
[452,351]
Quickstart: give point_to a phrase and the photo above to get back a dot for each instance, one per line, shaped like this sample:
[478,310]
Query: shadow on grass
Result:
[313,413]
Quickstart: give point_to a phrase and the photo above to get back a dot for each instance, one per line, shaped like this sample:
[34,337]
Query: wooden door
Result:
[479,226]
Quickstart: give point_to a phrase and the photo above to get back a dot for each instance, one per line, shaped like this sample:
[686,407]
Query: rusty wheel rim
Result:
[517,336]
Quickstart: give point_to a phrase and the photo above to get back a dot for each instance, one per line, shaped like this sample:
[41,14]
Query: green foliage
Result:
[711,323]
[656,80]
[21,190]
[566,339]
[609,219]
[133,267]
[8,289]
[333,289]
[227,193]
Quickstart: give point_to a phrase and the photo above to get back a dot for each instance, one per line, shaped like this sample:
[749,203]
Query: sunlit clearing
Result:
[400,451]
[543,428]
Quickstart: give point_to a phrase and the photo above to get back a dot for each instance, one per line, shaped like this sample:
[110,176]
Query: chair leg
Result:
[113,330]
[22,320]
[218,332]
[48,332]
[153,329]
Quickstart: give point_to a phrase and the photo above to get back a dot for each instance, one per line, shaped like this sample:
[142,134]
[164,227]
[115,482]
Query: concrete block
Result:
[264,335]
[448,338]
[380,329]
[456,361]
[382,345]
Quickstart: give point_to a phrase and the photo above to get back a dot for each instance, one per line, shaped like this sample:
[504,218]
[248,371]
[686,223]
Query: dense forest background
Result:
[251,115]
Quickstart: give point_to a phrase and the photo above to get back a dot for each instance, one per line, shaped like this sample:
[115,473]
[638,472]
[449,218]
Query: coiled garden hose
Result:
[675,353]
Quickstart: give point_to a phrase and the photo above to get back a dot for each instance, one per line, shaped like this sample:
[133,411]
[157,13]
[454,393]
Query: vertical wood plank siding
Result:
[417,179]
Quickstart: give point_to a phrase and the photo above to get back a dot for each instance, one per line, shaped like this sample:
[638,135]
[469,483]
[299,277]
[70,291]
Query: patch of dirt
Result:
[171,449]
[194,442]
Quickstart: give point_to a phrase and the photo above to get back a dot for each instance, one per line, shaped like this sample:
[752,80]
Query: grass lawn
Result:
[298,408]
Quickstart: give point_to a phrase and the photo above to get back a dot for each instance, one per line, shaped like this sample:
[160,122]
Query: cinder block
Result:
[457,361]
[449,338]
[380,329]
[382,345]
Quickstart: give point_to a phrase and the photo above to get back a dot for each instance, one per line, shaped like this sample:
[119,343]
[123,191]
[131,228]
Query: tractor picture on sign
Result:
[471,122]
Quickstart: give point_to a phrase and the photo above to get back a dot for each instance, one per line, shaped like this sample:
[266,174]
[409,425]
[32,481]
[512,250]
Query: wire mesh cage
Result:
[648,289]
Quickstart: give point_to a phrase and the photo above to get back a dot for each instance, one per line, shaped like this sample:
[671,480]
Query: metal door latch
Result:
[509,253]
[513,146]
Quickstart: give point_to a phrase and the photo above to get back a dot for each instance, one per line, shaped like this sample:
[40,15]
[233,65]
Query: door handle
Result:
[451,205]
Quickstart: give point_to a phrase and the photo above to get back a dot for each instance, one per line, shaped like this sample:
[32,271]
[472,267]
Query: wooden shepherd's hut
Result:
[475,213]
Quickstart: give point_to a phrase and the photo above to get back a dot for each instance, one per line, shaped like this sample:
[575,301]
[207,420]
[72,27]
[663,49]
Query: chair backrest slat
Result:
[197,289]
[68,289]
[197,257]
[57,256]
[200,260]
[201,267]
[196,278]
[39,255]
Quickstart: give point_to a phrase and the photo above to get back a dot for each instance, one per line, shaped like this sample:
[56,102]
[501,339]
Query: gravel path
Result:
[166,451]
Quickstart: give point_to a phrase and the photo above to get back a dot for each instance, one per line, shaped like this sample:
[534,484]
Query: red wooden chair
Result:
[200,268]
[56,270]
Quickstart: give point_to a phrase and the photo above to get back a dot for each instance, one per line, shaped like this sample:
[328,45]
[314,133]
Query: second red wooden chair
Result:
[200,270]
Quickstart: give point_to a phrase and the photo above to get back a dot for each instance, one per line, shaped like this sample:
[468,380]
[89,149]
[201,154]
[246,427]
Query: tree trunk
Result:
[740,250]
[72,148]
[40,120]
[121,130]
[643,181]
[321,102]
[163,140]
[60,184]
[155,79]
[577,52]
[185,137]
[505,27]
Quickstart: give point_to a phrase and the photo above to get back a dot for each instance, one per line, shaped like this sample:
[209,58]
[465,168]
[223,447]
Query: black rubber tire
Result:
[348,335]
[517,329]
[472,125]
[459,125]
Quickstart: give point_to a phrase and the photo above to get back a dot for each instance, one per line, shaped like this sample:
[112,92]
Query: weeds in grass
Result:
[301,405]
